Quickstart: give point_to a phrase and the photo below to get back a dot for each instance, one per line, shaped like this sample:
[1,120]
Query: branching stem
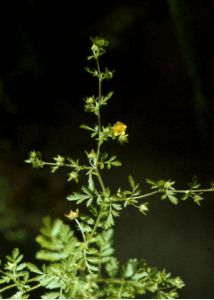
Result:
[194,191]
[160,192]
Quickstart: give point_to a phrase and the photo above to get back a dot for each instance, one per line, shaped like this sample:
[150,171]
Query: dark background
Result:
[162,52]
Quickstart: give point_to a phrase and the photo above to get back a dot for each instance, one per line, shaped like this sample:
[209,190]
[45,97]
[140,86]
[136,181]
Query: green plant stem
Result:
[15,284]
[55,164]
[8,287]
[137,197]
[174,191]
[99,100]
[120,281]
[98,150]
[81,230]
[162,192]
[34,287]
[99,90]
[85,245]
[194,191]
[96,223]
[64,165]
[33,279]
[146,195]
[99,125]
[104,191]
[100,180]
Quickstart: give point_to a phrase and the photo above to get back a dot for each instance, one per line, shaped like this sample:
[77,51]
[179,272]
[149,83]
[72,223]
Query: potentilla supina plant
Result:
[84,266]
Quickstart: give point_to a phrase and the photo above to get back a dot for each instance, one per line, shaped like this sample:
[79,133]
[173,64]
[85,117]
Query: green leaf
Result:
[51,295]
[116,163]
[77,197]
[56,240]
[19,295]
[86,127]
[4,280]
[172,199]
[15,253]
[93,72]
[109,222]
[116,206]
[130,268]
[197,198]
[33,268]
[94,260]
[131,181]
[92,268]
[90,182]
[57,225]
[110,162]
[151,182]
[112,266]
[50,255]
[107,251]
[53,283]
[104,99]
[21,267]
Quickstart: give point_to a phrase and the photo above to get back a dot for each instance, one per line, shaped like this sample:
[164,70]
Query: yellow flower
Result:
[119,129]
[73,214]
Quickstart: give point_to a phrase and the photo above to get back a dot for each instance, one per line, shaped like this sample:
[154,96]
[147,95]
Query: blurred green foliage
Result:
[9,217]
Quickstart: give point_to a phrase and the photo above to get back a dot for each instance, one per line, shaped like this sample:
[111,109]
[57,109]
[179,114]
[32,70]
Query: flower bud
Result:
[73,176]
[72,215]
[92,154]
[143,208]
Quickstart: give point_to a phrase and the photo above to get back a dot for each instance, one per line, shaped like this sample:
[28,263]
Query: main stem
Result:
[98,150]
[99,125]
[99,100]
